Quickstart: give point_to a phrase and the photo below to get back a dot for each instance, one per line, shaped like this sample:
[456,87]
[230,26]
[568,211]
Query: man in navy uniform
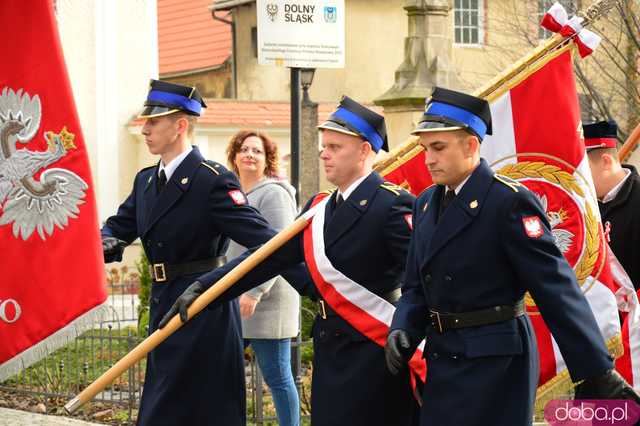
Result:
[184,209]
[365,231]
[471,259]
[618,190]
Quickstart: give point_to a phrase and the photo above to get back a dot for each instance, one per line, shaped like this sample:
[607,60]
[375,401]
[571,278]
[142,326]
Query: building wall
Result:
[111,52]
[214,83]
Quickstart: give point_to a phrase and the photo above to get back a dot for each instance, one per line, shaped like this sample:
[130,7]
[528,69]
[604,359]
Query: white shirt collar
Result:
[173,164]
[458,188]
[614,191]
[352,187]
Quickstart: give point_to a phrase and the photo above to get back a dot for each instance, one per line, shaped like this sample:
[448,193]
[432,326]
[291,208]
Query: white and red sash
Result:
[365,311]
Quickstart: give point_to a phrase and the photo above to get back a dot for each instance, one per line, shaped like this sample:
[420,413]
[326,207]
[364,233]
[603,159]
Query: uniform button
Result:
[160,244]
[427,278]
[156,300]
[321,333]
[454,356]
[435,355]
[447,278]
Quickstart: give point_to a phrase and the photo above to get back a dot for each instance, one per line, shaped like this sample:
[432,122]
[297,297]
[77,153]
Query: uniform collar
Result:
[458,188]
[611,195]
[352,187]
[173,164]
[472,192]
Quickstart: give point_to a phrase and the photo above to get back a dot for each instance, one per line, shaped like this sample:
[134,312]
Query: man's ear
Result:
[183,125]
[365,149]
[607,161]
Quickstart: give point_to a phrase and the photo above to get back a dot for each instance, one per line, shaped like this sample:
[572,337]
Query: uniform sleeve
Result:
[398,228]
[543,271]
[411,310]
[123,224]
[278,208]
[232,214]
[286,261]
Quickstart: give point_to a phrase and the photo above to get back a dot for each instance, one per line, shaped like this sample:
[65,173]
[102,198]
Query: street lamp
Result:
[306,79]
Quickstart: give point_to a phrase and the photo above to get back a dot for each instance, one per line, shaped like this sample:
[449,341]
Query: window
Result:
[543,7]
[254,41]
[467,21]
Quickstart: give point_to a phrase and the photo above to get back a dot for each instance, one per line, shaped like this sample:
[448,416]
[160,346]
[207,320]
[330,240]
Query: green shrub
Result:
[309,309]
[144,294]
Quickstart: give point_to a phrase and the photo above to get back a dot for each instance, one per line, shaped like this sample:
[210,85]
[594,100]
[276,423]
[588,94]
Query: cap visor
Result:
[331,125]
[156,111]
[433,126]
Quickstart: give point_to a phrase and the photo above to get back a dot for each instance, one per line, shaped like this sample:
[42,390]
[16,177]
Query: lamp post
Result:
[300,77]
[306,79]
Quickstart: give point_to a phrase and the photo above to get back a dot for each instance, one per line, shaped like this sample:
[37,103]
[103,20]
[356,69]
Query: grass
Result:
[75,365]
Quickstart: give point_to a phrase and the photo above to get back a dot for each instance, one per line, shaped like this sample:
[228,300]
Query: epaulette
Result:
[392,187]
[150,178]
[511,183]
[211,166]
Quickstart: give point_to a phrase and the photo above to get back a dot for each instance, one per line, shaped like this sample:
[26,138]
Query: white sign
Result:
[301,33]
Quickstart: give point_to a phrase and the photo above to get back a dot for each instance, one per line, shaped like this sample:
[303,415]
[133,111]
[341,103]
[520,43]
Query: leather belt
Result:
[326,311]
[444,321]
[162,272]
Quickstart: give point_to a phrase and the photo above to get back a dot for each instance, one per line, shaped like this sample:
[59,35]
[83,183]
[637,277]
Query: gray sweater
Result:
[277,312]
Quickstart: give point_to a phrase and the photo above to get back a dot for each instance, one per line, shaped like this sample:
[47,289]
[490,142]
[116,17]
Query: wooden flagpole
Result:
[630,144]
[212,293]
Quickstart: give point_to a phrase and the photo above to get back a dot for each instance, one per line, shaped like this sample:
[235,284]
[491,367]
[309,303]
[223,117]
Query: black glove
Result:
[182,303]
[396,350]
[609,385]
[111,246]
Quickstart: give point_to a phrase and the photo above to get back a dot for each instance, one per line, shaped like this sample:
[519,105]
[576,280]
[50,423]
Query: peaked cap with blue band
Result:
[602,134]
[448,110]
[166,98]
[354,119]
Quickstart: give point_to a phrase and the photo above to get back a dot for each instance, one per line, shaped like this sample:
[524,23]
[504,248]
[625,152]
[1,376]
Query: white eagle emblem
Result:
[532,226]
[30,204]
[562,237]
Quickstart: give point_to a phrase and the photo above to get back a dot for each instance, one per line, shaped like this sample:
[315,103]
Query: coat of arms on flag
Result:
[53,280]
[27,203]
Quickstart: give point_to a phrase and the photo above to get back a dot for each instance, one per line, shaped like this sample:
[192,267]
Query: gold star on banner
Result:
[65,136]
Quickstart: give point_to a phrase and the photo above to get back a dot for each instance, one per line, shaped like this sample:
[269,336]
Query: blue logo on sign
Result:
[330,14]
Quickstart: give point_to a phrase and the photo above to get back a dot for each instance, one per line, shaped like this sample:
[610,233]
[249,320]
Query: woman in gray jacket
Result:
[269,312]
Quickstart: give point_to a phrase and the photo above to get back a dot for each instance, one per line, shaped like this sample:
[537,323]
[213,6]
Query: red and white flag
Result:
[52,274]
[629,363]
[537,139]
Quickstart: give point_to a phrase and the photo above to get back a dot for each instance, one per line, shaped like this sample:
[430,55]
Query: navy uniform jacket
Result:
[624,222]
[477,256]
[366,239]
[196,376]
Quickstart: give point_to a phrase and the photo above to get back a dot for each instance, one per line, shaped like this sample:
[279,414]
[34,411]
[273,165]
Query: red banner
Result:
[52,274]
[412,175]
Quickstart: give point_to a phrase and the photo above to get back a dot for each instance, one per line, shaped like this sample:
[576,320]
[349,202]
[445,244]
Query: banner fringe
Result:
[53,342]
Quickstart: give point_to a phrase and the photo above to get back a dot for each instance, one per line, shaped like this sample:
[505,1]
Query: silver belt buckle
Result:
[323,311]
[159,273]
[437,315]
